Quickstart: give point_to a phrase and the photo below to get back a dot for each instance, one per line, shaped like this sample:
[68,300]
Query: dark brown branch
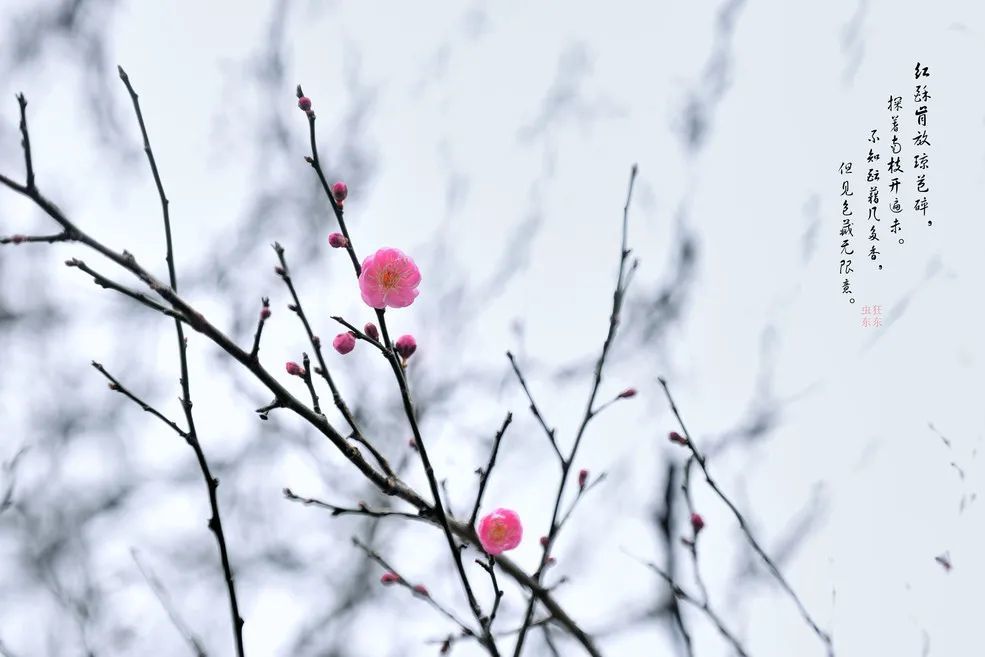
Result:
[306,376]
[264,315]
[215,522]
[116,386]
[622,281]
[536,411]
[26,142]
[361,510]
[744,526]
[109,284]
[484,474]
[29,239]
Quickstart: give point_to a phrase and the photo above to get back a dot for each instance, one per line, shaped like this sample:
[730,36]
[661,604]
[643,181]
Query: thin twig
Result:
[372,554]
[361,510]
[215,522]
[622,281]
[536,411]
[109,284]
[744,526]
[116,386]
[484,474]
[26,142]
[29,239]
[261,320]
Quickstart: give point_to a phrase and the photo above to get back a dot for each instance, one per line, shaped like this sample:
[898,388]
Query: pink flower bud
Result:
[627,393]
[697,522]
[344,343]
[421,590]
[371,330]
[17,239]
[550,561]
[675,437]
[337,240]
[339,191]
[294,369]
[543,541]
[500,531]
[389,578]
[405,346]
[582,478]
[304,103]
[264,312]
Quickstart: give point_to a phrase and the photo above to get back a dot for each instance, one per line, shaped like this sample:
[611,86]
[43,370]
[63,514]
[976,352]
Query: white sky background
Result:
[485,116]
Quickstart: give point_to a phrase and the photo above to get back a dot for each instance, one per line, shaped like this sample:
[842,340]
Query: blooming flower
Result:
[389,278]
[344,343]
[500,531]
[405,346]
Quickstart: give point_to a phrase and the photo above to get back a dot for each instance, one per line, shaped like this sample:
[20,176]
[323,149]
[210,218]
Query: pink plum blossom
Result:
[405,346]
[389,278]
[344,343]
[340,191]
[500,531]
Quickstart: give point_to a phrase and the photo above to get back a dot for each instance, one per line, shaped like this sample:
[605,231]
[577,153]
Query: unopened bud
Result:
[389,578]
[337,240]
[344,343]
[294,369]
[582,478]
[371,330]
[405,346]
[675,437]
[627,393]
[304,103]
[264,312]
[697,522]
[421,590]
[339,192]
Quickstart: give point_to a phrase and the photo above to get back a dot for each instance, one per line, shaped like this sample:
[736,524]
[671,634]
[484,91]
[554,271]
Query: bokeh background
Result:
[493,142]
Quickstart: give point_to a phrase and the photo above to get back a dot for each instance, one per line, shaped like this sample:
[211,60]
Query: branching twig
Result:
[536,411]
[362,509]
[484,474]
[744,526]
[417,590]
[215,522]
[622,281]
[398,371]
[264,315]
